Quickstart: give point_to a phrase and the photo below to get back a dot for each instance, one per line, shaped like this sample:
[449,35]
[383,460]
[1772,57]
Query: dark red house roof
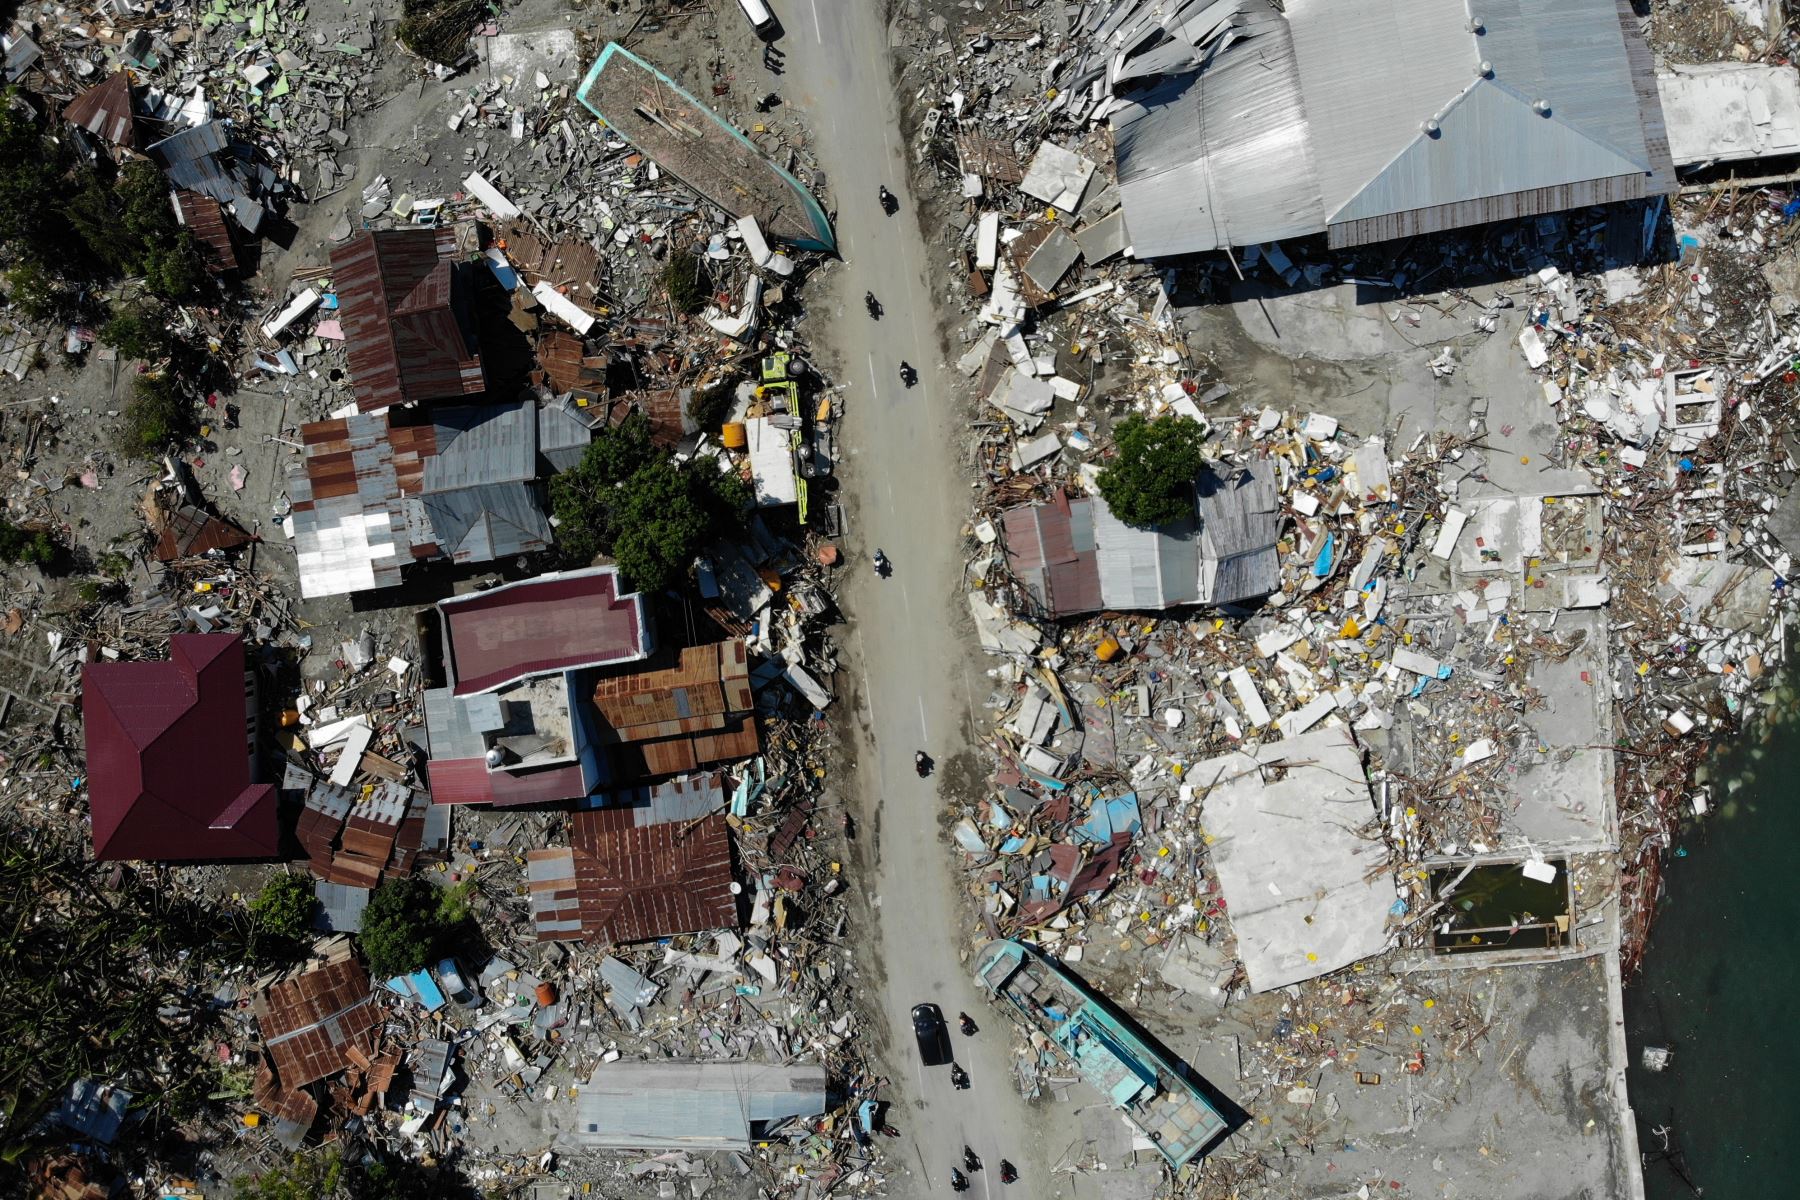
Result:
[169,760]
[554,623]
[105,110]
[406,315]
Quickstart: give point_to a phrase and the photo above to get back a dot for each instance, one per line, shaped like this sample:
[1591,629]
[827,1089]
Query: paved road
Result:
[907,495]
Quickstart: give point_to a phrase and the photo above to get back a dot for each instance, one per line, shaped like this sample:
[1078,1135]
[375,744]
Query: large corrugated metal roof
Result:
[1317,120]
[408,330]
[618,881]
[168,753]
[693,1105]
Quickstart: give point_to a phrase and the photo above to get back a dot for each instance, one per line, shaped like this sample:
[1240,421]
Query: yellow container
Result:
[1108,649]
[733,435]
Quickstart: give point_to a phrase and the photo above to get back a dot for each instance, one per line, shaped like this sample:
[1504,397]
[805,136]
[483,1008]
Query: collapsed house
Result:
[406,300]
[685,1105]
[1239,123]
[1074,556]
[514,724]
[316,1021]
[171,752]
[372,497]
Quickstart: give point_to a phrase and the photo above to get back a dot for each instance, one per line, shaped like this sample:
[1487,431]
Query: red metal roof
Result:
[633,883]
[398,302]
[468,781]
[559,623]
[168,757]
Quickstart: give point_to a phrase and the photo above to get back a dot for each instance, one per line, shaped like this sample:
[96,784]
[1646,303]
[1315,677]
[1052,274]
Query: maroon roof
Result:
[633,883]
[105,111]
[468,781]
[1040,549]
[168,756]
[557,623]
[399,301]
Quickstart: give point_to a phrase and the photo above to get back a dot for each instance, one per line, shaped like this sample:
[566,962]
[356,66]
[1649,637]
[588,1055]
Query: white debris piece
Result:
[1249,697]
[490,197]
[1445,545]
[563,308]
[298,307]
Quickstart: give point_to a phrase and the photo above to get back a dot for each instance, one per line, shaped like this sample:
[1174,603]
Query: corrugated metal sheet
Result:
[204,216]
[621,882]
[676,718]
[493,444]
[479,524]
[554,623]
[105,110]
[1313,122]
[1145,568]
[1240,524]
[408,331]
[310,1021]
[1220,157]
[693,1105]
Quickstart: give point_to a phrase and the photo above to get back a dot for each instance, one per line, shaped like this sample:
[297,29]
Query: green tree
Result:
[316,1176]
[1150,480]
[283,911]
[401,926]
[156,245]
[33,546]
[158,415]
[31,184]
[36,292]
[627,499]
[140,330]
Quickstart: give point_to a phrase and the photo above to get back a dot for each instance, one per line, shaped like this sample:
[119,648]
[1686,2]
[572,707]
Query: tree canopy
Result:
[1150,480]
[628,499]
[401,927]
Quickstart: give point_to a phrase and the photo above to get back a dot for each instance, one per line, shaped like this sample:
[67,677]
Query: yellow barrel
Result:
[733,435]
[1108,649]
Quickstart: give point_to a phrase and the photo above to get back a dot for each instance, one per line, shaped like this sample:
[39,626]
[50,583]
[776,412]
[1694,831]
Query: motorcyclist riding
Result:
[908,374]
[968,1025]
[1008,1172]
[922,764]
[958,1181]
[873,304]
[970,1161]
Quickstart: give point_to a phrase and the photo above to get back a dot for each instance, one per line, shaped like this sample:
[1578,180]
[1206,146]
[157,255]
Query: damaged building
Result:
[1248,122]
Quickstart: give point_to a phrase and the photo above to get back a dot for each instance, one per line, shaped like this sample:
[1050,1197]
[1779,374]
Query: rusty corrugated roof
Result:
[621,882]
[206,218]
[105,111]
[409,335]
[311,1020]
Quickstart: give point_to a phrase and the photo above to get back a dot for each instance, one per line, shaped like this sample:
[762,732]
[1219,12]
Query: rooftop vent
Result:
[1541,107]
[1485,69]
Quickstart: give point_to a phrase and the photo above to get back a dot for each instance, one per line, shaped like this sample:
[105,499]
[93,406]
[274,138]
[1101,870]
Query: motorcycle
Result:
[958,1181]
[959,1078]
[967,1025]
[883,567]
[873,304]
[889,205]
[1008,1173]
[970,1161]
[909,375]
[922,764]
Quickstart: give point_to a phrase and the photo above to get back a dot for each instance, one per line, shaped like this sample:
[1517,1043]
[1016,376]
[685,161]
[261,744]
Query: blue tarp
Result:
[419,987]
[1109,817]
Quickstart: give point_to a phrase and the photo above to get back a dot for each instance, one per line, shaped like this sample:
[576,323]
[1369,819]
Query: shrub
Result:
[32,546]
[157,416]
[283,911]
[684,276]
[139,331]
[1150,481]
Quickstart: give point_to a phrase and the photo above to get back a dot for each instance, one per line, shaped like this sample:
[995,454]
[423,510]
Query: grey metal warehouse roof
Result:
[692,1105]
[1374,119]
